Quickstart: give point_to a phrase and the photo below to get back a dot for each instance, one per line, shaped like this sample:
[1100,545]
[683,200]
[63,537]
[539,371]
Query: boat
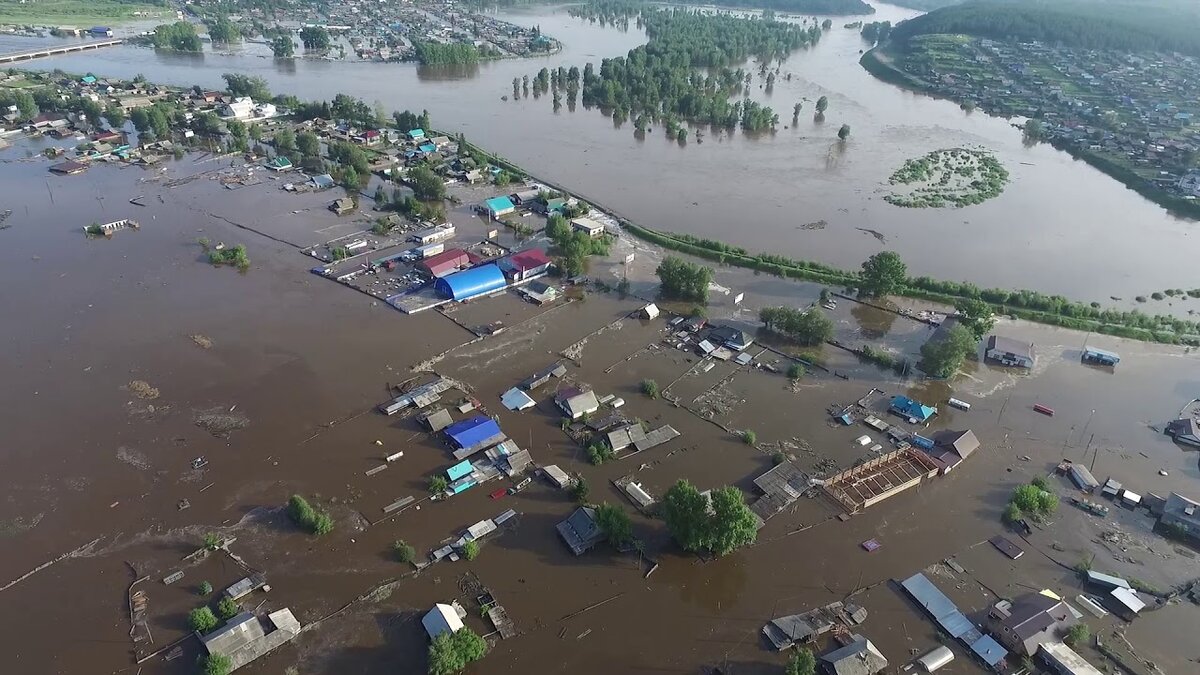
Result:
[1045,410]
[199,463]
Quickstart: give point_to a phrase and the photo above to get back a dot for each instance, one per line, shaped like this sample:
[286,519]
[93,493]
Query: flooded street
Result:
[273,375]
[128,357]
[765,193]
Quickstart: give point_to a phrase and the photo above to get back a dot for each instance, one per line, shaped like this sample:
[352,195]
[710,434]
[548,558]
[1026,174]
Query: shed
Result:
[471,432]
[557,476]
[323,181]
[1106,580]
[459,470]
[442,619]
[650,311]
[1126,603]
[624,437]
[471,283]
[436,420]
[988,650]
[1130,498]
[936,659]
[1083,479]
[588,226]
[1065,660]
[68,168]
[1100,357]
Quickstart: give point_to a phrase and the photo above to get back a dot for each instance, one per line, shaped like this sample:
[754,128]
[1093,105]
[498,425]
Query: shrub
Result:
[303,514]
[217,664]
[228,608]
[778,458]
[202,620]
[650,388]
[205,588]
[1078,634]
[438,484]
[471,550]
[1012,513]
[211,541]
[749,437]
[795,371]
[579,490]
[404,551]
[1040,483]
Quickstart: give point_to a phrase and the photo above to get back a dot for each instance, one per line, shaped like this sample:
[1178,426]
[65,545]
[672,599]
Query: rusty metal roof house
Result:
[781,486]
[246,637]
[580,531]
[860,657]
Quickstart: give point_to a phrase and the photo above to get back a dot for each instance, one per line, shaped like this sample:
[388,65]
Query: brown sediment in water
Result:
[286,404]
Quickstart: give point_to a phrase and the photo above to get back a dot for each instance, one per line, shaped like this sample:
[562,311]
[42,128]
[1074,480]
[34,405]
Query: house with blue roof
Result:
[499,206]
[416,135]
[913,411]
[427,148]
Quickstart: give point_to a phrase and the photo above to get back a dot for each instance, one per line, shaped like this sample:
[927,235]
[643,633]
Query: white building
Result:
[240,108]
[443,619]
[265,110]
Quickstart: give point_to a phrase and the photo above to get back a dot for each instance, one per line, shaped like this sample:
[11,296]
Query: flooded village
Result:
[400,418]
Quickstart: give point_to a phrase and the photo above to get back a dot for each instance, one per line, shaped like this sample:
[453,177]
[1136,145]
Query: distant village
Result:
[391,31]
[1131,110]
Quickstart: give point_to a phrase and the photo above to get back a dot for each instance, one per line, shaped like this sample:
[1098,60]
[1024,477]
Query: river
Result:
[1060,227]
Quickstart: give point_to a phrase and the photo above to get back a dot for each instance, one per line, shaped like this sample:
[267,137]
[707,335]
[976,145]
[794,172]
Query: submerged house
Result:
[443,619]
[575,403]
[1023,624]
[1185,431]
[471,283]
[580,531]
[859,657]
[1010,352]
[950,448]
[913,411]
[477,432]
[1182,514]
[246,637]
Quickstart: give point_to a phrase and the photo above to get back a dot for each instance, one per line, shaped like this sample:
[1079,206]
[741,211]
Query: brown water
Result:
[1060,227]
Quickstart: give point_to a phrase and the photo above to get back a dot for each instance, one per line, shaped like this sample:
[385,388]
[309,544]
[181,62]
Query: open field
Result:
[77,13]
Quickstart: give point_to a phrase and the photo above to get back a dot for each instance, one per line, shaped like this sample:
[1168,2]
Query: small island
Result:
[950,177]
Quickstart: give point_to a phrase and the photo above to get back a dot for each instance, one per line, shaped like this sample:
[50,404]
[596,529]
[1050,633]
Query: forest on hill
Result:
[1125,25]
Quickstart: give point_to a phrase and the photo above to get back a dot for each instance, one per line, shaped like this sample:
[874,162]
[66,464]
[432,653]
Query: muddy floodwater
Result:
[128,357]
[1059,227]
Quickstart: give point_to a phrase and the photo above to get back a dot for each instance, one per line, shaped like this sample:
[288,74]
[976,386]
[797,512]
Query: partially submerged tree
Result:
[883,274]
[719,523]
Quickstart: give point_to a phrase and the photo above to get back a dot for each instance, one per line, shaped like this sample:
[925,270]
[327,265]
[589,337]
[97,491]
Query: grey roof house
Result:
[860,657]
[1185,431]
[246,637]
[580,530]
[1010,352]
[576,404]
[1029,620]
[1182,513]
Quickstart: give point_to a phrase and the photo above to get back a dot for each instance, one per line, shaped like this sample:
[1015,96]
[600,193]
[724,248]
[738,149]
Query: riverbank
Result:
[880,63]
[83,15]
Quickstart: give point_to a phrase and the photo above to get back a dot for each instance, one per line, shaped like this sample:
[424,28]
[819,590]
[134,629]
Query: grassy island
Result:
[952,177]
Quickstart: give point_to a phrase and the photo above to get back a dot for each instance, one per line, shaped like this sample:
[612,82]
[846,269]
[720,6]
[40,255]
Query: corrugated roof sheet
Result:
[988,650]
[470,283]
[472,431]
[459,470]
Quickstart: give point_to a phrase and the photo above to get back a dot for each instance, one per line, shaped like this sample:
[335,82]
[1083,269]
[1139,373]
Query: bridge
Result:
[61,49]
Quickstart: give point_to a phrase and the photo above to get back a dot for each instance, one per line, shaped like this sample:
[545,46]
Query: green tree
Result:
[26,104]
[179,36]
[283,47]
[450,653]
[470,550]
[685,511]
[222,30]
[315,37]
[212,541]
[684,280]
[202,620]
[650,388]
[732,524]
[247,85]
[802,662]
[614,522]
[205,588]
[403,551]
[749,437]
[976,316]
[115,115]
[883,274]
[256,132]
[438,484]
[426,184]
[1012,513]
[795,371]
[942,357]
[1078,634]
[579,490]
[217,664]
[1027,498]
[1033,130]
[809,327]
[844,132]
[308,143]
[228,608]
[822,104]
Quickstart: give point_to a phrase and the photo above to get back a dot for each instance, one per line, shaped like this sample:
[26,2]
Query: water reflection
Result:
[447,72]
[873,323]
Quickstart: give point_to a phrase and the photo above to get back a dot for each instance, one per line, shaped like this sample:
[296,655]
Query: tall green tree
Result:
[426,184]
[115,115]
[686,512]
[202,620]
[179,36]
[222,30]
[732,524]
[976,316]
[683,280]
[822,104]
[308,143]
[802,662]
[315,37]
[883,274]
[450,653]
[614,522]
[720,523]
[283,47]
[942,357]
[247,85]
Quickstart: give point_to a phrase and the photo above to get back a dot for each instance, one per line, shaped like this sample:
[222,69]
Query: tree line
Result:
[437,54]
[1118,25]
[834,7]
[686,69]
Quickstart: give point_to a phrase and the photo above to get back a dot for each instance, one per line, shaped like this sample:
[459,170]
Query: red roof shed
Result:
[447,262]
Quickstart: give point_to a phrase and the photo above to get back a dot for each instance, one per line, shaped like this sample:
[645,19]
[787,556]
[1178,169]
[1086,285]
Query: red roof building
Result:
[526,264]
[445,263]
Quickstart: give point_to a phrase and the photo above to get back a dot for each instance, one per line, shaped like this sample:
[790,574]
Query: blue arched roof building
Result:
[470,283]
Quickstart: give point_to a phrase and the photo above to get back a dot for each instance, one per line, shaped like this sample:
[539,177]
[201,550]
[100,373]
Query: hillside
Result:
[1126,25]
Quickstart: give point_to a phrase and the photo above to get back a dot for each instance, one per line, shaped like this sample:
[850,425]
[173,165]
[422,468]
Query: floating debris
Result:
[143,390]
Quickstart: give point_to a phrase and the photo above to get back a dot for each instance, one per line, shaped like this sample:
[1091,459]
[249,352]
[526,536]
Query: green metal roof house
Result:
[279,163]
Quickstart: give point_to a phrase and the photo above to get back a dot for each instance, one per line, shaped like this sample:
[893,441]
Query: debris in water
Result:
[203,341]
[220,421]
[143,390]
